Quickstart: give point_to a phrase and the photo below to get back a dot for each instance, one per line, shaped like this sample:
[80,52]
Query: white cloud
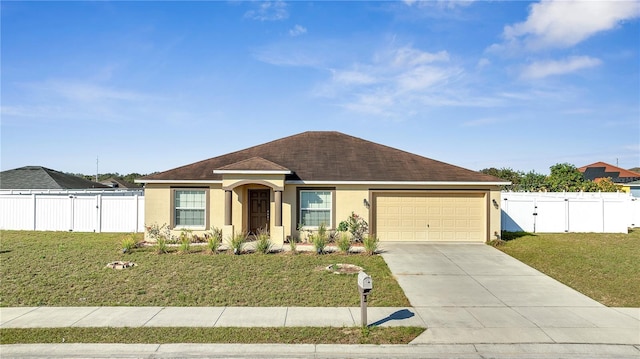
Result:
[408,56]
[268,11]
[393,81]
[77,100]
[423,77]
[354,77]
[298,30]
[543,69]
[564,23]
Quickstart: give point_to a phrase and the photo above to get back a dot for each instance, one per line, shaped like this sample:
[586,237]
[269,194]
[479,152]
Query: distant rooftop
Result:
[38,177]
[600,170]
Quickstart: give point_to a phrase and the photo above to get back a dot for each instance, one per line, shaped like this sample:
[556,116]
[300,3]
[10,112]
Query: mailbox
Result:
[365,283]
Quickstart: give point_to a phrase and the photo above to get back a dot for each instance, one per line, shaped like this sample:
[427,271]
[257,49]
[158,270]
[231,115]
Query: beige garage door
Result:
[430,217]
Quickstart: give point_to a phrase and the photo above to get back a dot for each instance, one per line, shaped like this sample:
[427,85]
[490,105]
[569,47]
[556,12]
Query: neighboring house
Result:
[315,178]
[633,188]
[600,170]
[38,177]
[118,183]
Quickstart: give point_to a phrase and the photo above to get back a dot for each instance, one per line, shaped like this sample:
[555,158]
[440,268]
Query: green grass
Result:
[68,269]
[296,335]
[605,267]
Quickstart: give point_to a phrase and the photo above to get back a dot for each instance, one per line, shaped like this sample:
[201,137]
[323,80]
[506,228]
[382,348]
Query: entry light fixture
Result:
[366,203]
[495,204]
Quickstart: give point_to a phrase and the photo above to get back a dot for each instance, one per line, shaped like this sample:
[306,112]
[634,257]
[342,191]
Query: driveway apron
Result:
[474,293]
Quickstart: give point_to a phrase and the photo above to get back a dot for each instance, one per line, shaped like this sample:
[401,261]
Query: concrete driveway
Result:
[474,293]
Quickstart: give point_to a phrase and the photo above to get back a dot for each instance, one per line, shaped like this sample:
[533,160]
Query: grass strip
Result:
[164,335]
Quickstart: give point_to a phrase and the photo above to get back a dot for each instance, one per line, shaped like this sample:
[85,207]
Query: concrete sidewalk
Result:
[61,317]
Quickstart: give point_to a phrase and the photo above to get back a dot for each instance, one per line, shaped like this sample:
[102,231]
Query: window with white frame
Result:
[315,208]
[190,207]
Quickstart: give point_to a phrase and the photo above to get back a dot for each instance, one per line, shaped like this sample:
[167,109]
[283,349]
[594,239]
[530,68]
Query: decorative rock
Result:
[120,265]
[341,268]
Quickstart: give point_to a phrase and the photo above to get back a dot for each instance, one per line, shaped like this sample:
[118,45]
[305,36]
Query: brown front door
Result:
[259,209]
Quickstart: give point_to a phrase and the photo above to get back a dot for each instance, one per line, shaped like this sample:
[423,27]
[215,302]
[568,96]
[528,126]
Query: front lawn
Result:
[605,267]
[69,269]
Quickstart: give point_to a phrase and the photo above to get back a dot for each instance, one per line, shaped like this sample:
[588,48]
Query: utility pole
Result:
[96,168]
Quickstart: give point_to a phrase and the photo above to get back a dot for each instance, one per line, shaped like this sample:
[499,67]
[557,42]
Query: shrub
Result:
[293,243]
[214,239]
[319,239]
[344,242]
[161,244]
[370,243]
[497,242]
[263,242]
[162,235]
[185,241]
[236,243]
[129,243]
[356,225]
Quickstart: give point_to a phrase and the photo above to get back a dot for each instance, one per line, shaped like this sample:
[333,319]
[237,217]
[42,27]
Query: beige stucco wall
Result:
[348,198]
[495,215]
[159,209]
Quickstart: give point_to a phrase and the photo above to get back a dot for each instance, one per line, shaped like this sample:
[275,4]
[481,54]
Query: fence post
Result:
[603,214]
[566,215]
[137,207]
[72,205]
[99,213]
[34,201]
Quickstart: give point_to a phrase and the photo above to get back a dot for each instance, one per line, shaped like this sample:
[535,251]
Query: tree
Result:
[507,174]
[532,182]
[564,177]
[602,185]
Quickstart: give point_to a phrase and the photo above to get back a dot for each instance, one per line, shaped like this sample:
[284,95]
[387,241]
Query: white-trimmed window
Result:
[315,208]
[190,208]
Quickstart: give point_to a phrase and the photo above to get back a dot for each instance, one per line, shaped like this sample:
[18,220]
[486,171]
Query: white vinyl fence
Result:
[569,212]
[123,211]
[78,211]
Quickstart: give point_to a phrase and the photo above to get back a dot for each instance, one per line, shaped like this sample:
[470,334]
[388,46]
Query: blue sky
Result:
[149,86]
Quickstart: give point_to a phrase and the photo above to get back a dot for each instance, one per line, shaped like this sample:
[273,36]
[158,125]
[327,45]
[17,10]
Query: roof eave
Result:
[387,183]
[253,172]
[394,183]
[162,181]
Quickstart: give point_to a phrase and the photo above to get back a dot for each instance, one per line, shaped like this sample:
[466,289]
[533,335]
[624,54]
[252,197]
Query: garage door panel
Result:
[430,217]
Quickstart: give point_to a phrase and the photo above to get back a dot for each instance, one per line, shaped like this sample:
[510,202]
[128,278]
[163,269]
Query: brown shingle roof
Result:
[253,164]
[332,156]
